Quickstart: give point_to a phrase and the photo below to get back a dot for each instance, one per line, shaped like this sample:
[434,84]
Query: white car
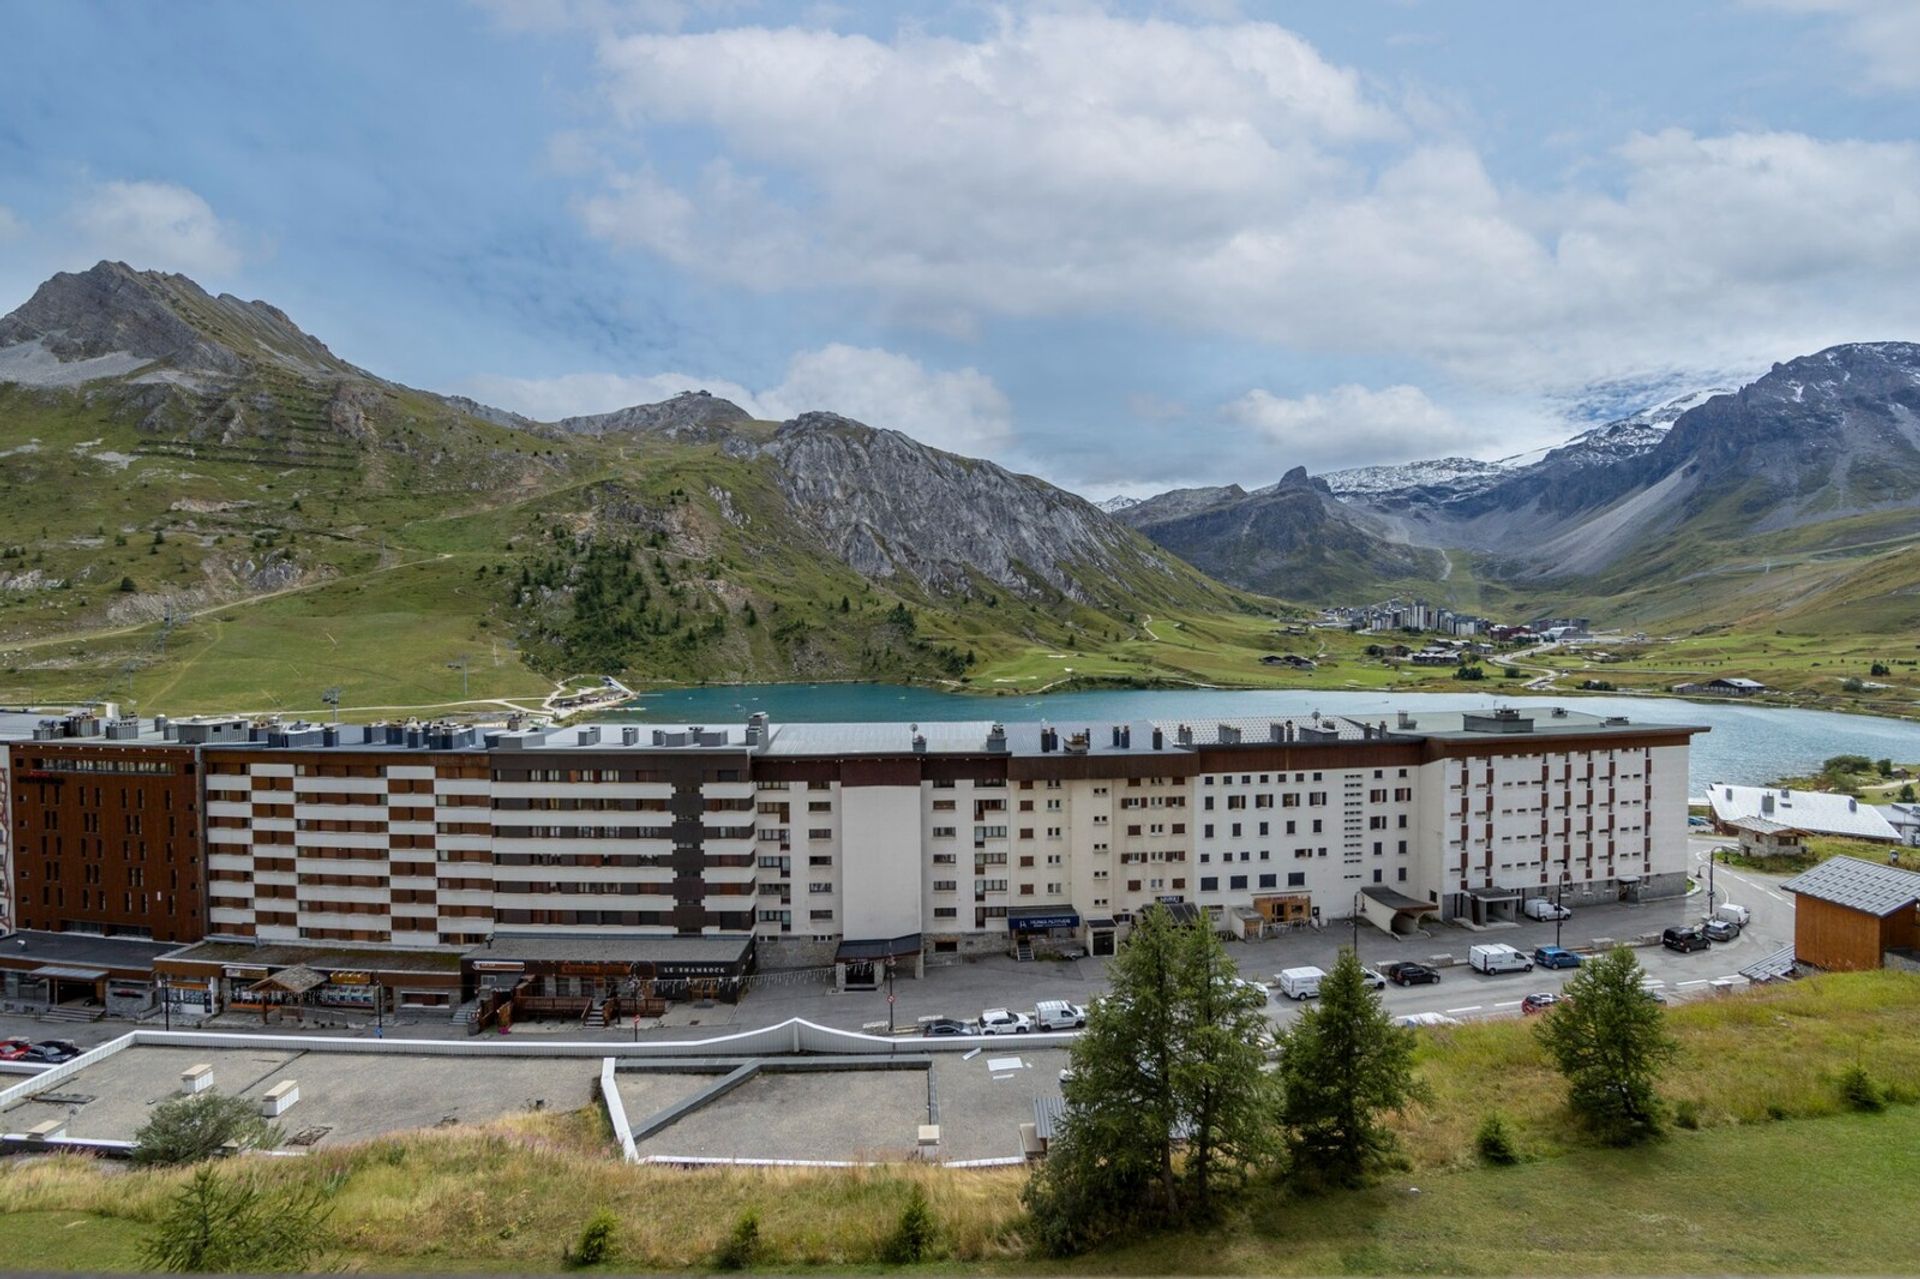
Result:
[1373,979]
[1000,1021]
[1541,908]
[1253,987]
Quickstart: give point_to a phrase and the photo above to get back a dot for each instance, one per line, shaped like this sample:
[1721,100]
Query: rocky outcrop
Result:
[691,415]
[892,507]
[1293,539]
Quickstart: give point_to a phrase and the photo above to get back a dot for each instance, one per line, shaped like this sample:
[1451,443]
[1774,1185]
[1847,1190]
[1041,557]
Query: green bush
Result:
[184,1130]
[1859,1091]
[742,1243]
[1494,1141]
[916,1236]
[596,1241]
[222,1224]
[1686,1113]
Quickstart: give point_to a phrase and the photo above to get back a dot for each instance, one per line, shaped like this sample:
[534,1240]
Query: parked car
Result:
[1733,914]
[1541,908]
[945,1026]
[999,1021]
[1555,957]
[52,1051]
[1684,940]
[1408,973]
[1058,1014]
[1253,988]
[1653,994]
[1720,930]
[1373,979]
[1538,1002]
[14,1049]
[1426,1019]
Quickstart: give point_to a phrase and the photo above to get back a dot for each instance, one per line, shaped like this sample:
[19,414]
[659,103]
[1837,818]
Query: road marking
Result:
[1508,1003]
[1698,981]
[1648,985]
[1470,1008]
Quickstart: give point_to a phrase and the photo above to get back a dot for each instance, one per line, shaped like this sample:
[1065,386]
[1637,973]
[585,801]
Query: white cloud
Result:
[1231,179]
[960,409]
[156,225]
[11,225]
[1352,424]
[1883,34]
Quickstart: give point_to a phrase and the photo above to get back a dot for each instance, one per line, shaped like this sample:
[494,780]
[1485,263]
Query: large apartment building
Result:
[829,842]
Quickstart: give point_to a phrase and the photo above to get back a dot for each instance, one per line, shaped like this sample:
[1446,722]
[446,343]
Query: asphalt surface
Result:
[965,989]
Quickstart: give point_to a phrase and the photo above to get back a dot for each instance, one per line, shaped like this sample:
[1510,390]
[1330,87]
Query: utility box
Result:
[196,1079]
[280,1098]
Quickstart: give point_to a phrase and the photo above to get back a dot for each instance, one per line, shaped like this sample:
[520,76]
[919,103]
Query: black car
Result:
[1407,973]
[1685,940]
[52,1051]
[945,1026]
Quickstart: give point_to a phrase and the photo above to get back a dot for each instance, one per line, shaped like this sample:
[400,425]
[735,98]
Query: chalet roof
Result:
[1858,885]
[1820,812]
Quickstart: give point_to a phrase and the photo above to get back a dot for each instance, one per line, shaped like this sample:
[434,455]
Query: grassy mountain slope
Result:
[231,516]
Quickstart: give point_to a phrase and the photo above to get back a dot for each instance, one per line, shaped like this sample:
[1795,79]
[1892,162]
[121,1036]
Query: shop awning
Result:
[68,972]
[1035,918]
[1495,894]
[1399,902]
[858,950]
[1102,925]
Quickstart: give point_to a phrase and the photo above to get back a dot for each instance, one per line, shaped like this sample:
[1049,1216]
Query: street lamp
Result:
[1559,913]
[1356,923]
[166,1001]
[889,994]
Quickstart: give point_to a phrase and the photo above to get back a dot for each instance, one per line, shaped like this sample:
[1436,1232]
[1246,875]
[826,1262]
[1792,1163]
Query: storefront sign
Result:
[351,979]
[245,972]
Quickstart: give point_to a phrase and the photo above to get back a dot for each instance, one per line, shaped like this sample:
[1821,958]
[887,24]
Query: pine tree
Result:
[1171,1055]
[1344,1066]
[1610,1041]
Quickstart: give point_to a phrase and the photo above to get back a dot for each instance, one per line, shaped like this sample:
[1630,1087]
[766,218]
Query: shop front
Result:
[220,976]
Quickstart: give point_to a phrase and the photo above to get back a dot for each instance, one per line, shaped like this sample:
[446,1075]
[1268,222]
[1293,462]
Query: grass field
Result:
[1778,1177]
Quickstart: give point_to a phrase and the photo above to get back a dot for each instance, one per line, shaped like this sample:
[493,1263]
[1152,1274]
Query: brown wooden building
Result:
[107,839]
[1849,914]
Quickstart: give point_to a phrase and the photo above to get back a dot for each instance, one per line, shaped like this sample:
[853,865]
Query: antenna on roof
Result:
[332,698]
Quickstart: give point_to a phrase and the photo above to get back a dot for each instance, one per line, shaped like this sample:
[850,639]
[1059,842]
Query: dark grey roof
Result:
[1393,899]
[328,958]
[1047,1114]
[86,949]
[856,949]
[1859,885]
[617,948]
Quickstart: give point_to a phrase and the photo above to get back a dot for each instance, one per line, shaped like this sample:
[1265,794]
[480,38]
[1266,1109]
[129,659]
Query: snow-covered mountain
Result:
[1624,437]
[1115,505]
[1459,474]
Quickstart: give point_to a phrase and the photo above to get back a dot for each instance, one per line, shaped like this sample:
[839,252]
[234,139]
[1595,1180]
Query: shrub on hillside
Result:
[742,1243]
[1494,1141]
[225,1225]
[1859,1091]
[596,1241]
[916,1235]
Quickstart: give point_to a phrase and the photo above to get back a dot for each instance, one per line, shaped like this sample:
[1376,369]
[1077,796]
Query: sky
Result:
[1127,246]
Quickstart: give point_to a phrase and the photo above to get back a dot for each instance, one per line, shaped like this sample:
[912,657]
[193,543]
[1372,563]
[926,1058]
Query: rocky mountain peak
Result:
[111,319]
[690,415]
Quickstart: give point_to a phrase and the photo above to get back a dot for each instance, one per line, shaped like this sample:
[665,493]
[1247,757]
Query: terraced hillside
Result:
[200,505]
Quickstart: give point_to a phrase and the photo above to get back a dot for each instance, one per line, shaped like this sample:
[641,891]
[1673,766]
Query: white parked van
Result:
[1541,908]
[1733,914]
[1300,983]
[1498,958]
[1058,1014]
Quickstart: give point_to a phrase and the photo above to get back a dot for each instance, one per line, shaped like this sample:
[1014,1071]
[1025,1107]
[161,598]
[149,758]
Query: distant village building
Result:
[1727,686]
[1810,812]
[1763,837]
[1292,660]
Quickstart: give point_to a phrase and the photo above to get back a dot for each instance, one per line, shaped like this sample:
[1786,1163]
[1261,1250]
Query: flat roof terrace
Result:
[353,1096]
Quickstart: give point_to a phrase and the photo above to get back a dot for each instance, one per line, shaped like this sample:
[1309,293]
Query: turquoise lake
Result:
[1749,745]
